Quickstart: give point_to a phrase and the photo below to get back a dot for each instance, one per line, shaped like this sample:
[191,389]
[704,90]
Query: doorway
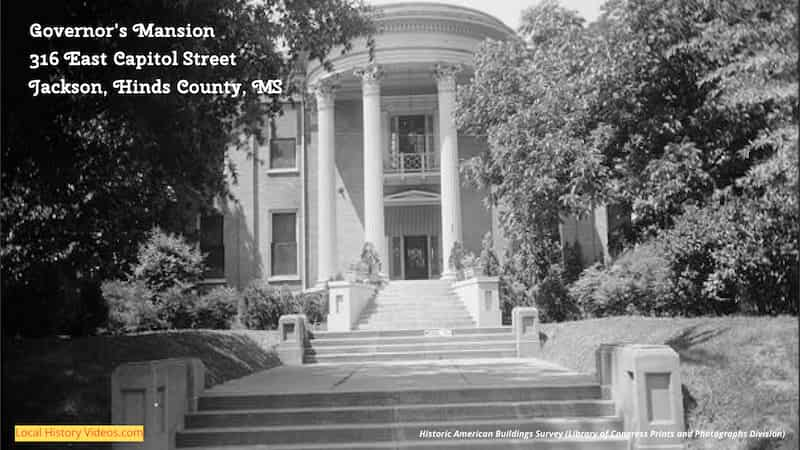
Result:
[415,258]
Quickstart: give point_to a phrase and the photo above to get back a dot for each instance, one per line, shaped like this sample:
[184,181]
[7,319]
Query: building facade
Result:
[372,157]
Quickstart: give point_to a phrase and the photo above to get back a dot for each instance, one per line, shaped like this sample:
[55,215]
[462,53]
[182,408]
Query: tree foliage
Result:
[85,177]
[665,107]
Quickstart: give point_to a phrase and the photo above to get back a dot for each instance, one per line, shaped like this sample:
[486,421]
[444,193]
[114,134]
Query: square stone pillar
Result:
[292,339]
[156,394]
[645,383]
[481,297]
[524,321]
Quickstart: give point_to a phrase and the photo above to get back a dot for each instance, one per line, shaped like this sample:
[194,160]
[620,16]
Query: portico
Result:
[410,147]
[433,159]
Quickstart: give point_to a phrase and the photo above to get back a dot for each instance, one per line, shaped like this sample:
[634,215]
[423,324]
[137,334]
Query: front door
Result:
[416,257]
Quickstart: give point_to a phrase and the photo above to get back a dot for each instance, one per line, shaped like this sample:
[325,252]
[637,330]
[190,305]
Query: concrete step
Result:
[421,347]
[406,309]
[380,325]
[419,323]
[412,332]
[403,307]
[433,444]
[417,296]
[434,319]
[331,433]
[408,340]
[419,354]
[399,413]
[561,388]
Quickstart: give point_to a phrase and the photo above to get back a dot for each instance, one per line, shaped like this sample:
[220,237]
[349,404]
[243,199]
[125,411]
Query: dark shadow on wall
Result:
[349,154]
[244,261]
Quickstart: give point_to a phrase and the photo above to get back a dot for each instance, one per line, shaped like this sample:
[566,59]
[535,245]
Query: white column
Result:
[373,160]
[326,181]
[445,75]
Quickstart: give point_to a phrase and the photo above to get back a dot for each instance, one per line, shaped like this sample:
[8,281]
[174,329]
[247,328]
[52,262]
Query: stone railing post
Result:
[524,321]
[156,394]
[346,300]
[291,339]
[481,297]
[645,383]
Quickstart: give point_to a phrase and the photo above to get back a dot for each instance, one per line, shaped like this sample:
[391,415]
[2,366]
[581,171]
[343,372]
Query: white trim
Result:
[287,170]
[412,197]
[278,278]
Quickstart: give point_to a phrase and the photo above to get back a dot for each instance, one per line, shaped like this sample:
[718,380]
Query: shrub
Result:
[263,305]
[636,283]
[217,309]
[177,306]
[166,260]
[489,263]
[129,307]
[552,298]
[314,305]
[736,256]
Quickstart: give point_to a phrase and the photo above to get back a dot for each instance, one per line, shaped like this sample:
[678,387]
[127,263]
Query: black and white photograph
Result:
[400,224]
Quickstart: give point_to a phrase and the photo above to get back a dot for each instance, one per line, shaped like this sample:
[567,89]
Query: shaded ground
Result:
[739,373]
[53,381]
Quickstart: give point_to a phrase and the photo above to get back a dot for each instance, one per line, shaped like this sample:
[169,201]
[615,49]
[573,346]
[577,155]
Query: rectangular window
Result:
[411,134]
[212,245]
[282,153]
[284,244]
[412,143]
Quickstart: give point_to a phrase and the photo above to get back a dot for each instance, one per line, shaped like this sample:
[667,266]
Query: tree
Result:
[661,106]
[85,177]
[530,98]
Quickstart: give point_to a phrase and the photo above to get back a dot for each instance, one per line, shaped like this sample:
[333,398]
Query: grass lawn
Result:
[53,381]
[740,373]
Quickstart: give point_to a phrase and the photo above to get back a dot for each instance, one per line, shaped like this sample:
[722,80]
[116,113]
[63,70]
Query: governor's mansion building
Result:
[373,157]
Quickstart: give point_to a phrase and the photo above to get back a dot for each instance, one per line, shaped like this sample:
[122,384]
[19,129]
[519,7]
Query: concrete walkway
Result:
[360,377]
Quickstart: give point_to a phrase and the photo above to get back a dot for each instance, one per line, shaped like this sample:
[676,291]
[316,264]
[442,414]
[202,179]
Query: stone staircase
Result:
[415,305]
[406,345]
[412,320]
[399,418]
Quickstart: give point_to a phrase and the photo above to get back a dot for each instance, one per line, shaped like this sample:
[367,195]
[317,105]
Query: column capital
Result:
[325,91]
[371,76]
[445,75]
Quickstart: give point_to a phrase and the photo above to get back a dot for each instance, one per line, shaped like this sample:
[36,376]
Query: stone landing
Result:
[393,405]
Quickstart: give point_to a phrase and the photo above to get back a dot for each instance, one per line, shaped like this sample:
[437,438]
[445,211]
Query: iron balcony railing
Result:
[402,163]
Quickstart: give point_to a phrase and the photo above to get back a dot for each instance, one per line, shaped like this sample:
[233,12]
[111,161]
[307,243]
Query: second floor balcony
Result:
[412,155]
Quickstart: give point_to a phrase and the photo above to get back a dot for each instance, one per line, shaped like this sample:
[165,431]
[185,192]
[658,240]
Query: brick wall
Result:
[258,193]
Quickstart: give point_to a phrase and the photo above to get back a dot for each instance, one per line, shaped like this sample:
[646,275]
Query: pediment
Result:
[412,197]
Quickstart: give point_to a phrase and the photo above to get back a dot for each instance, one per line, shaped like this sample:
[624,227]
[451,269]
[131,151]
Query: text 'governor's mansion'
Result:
[373,158]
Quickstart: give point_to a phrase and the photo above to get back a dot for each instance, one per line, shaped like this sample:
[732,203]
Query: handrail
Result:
[402,163]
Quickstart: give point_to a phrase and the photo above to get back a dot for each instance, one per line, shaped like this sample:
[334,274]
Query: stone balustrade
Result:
[346,300]
[481,297]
